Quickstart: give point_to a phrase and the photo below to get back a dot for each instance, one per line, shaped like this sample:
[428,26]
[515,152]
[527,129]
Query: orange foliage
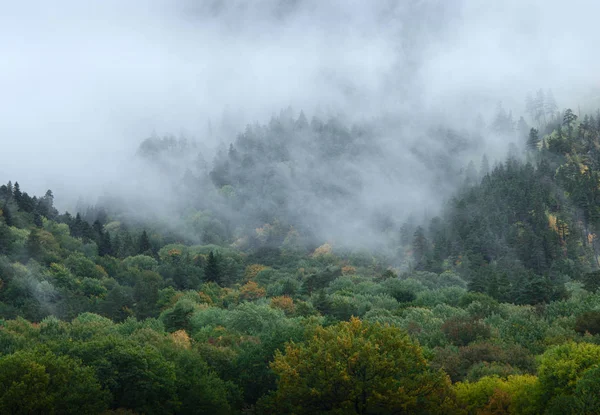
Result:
[174,253]
[205,297]
[251,291]
[552,222]
[324,249]
[253,270]
[181,339]
[348,269]
[284,303]
[263,233]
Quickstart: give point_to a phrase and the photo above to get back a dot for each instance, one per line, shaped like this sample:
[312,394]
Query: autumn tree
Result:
[356,367]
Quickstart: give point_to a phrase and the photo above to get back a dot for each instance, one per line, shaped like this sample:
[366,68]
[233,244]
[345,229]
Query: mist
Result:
[84,83]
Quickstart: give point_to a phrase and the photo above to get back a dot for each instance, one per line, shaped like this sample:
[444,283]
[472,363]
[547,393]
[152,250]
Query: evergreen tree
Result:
[420,248]
[105,245]
[568,119]
[212,269]
[321,302]
[144,245]
[17,194]
[540,112]
[485,166]
[33,246]
[5,239]
[301,123]
[7,215]
[533,140]
[37,220]
[550,106]
[522,128]
[530,106]
[5,193]
[471,174]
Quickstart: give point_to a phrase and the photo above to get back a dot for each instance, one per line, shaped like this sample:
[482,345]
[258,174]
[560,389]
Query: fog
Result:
[83,83]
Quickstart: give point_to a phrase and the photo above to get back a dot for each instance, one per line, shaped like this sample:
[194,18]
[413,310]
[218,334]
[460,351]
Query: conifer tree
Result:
[533,140]
[7,215]
[212,270]
[420,248]
[485,166]
[550,106]
[105,245]
[568,119]
[37,220]
[17,194]
[33,245]
[144,243]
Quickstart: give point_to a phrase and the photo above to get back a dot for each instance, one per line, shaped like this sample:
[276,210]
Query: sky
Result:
[84,82]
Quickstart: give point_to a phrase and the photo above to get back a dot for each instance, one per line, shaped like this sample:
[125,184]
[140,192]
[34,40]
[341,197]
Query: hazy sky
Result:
[83,82]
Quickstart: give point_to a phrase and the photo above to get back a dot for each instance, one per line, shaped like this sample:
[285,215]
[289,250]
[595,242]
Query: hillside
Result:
[245,301]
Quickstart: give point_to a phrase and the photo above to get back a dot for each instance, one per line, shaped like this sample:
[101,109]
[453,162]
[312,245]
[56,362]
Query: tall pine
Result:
[212,269]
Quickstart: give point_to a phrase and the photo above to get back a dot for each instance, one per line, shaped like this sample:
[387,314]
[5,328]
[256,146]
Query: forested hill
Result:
[245,301]
[328,179]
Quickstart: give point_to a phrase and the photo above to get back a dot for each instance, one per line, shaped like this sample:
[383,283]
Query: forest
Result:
[244,301]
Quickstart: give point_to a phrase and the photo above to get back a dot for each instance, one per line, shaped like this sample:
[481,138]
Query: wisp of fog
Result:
[83,83]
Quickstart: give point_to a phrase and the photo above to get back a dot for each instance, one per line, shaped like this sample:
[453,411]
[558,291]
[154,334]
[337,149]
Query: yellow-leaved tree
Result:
[356,367]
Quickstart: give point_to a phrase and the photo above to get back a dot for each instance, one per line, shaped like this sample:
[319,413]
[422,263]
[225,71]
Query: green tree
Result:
[44,383]
[199,389]
[561,368]
[138,377]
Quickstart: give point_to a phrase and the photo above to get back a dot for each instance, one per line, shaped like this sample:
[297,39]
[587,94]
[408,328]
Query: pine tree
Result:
[5,239]
[321,303]
[485,166]
[77,227]
[7,215]
[540,113]
[5,193]
[212,269]
[522,128]
[568,119]
[530,106]
[533,140]
[105,245]
[301,123]
[550,106]
[471,174]
[144,243]
[420,248]
[37,220]
[17,195]
[33,246]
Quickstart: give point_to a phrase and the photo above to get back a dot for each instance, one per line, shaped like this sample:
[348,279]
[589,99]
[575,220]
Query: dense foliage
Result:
[491,307]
